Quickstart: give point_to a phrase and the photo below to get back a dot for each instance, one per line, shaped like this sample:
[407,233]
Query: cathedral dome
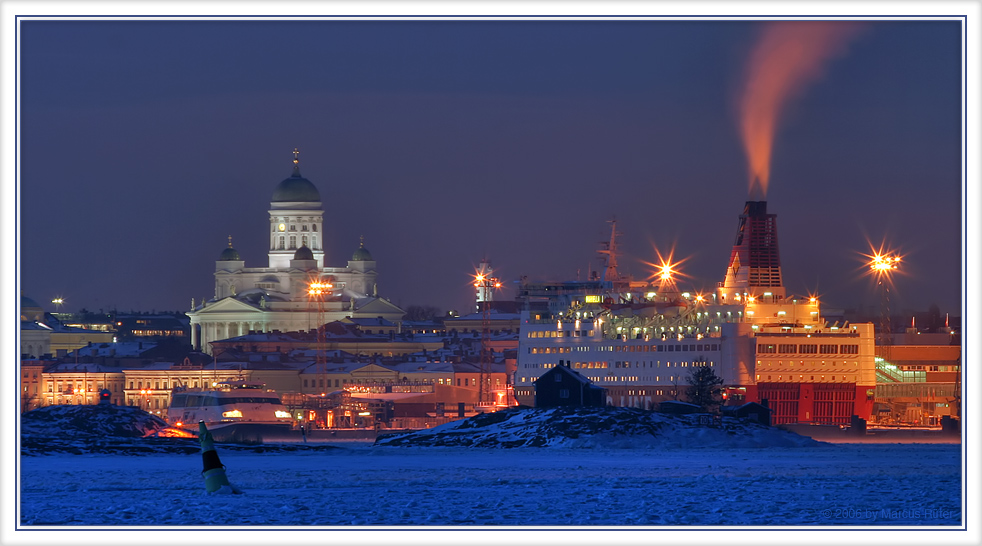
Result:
[303,253]
[28,303]
[296,188]
[362,255]
[229,255]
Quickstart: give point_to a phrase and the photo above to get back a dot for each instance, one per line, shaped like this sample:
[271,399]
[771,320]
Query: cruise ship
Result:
[641,341]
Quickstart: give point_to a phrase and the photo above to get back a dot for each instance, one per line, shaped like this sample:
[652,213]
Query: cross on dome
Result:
[296,162]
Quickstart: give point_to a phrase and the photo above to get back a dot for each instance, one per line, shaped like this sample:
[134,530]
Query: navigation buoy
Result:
[214,470]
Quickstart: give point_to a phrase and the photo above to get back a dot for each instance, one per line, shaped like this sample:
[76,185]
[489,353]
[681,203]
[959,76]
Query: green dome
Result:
[28,303]
[303,253]
[229,255]
[296,188]
[362,255]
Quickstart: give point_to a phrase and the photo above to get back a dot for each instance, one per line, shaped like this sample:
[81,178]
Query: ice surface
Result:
[843,484]
[744,475]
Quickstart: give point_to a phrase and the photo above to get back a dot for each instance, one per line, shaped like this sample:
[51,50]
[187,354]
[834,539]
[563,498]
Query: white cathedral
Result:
[296,292]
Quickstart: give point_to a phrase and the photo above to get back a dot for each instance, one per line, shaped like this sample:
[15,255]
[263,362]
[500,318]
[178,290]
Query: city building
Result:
[295,291]
[151,326]
[41,334]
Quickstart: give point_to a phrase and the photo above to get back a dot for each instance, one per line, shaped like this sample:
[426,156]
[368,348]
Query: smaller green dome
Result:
[303,253]
[28,303]
[229,254]
[361,255]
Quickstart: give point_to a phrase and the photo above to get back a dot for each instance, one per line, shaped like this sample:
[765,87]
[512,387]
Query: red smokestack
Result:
[789,55]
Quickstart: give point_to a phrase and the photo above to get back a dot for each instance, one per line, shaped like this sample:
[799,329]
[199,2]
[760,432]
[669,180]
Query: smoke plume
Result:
[788,56]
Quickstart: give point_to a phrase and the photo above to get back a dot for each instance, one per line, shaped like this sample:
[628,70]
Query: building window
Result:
[564,393]
[303,240]
[303,227]
[282,242]
[293,242]
[314,228]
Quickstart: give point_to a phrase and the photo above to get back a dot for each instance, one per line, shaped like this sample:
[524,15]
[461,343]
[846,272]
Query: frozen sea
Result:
[359,486]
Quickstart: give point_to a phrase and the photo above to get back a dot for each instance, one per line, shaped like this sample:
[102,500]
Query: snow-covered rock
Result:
[95,429]
[99,420]
[576,427]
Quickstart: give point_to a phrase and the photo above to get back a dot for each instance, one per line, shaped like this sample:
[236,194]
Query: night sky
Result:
[145,144]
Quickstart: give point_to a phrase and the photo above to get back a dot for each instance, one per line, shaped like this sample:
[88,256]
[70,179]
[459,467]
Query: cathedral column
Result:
[194,336]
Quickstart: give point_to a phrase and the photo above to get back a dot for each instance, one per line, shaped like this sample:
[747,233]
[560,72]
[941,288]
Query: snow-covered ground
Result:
[84,468]
[361,485]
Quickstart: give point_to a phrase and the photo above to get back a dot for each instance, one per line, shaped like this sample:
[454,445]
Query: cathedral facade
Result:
[295,292]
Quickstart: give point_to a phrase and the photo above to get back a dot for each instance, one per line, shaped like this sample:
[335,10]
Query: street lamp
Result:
[882,265]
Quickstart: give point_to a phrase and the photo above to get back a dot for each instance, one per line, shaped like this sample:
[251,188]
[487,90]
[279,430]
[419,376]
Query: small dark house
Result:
[561,386]
[751,411]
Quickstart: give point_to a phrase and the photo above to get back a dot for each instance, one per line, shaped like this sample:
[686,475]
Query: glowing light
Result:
[317,288]
[751,299]
[666,270]
[282,414]
[881,263]
[232,413]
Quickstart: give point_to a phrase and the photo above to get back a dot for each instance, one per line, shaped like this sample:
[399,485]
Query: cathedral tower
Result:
[296,219]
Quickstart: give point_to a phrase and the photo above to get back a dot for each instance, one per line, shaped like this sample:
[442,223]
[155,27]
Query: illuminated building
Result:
[41,334]
[279,296]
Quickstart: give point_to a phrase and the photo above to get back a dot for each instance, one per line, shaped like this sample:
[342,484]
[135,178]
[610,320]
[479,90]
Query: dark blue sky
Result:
[144,144]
